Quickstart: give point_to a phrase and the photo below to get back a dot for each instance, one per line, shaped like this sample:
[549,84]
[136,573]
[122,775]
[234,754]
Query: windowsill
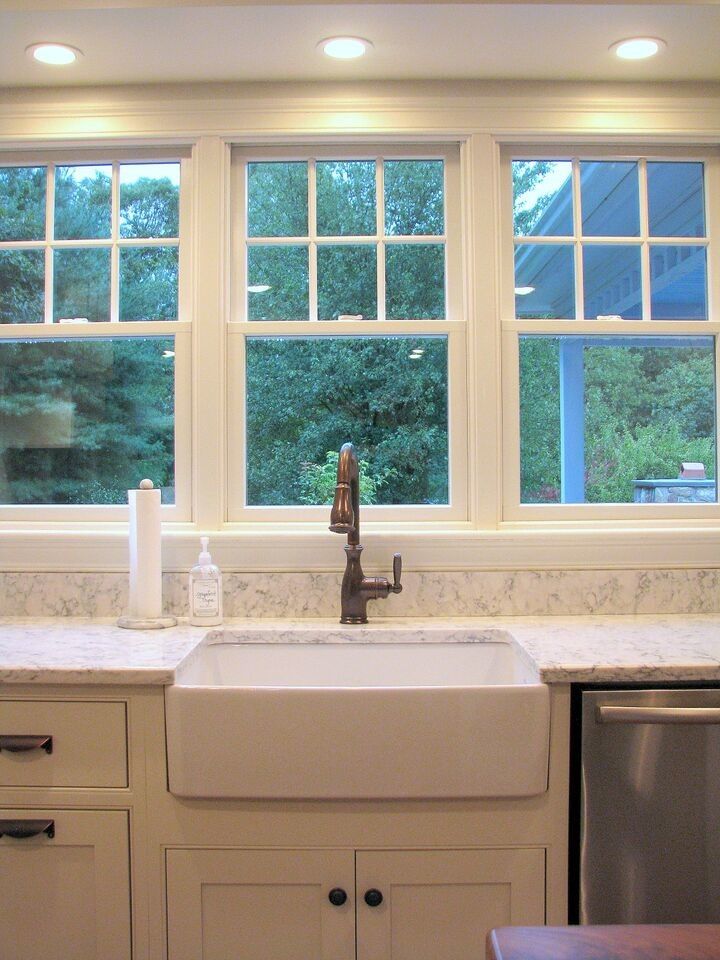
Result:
[311,547]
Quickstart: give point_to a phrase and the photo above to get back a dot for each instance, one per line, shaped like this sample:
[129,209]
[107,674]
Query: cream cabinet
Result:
[345,904]
[64,844]
[440,904]
[57,743]
[65,887]
[260,904]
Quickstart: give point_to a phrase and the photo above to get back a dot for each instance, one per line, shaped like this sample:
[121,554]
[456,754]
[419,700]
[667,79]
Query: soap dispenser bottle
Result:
[205,590]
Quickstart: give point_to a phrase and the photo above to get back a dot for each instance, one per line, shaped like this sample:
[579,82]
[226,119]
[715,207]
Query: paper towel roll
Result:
[145,599]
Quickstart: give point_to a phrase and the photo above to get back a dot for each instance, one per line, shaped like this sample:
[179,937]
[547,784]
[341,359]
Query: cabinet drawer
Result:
[88,749]
[65,893]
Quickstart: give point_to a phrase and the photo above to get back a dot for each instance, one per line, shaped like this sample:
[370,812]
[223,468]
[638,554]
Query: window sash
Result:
[180,329]
[513,511]
[453,326]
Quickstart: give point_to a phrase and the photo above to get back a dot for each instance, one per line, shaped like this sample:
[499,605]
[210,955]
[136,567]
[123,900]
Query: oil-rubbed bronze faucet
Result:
[357,589]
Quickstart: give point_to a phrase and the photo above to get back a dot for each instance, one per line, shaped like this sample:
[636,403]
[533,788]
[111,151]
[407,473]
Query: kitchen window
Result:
[346,324]
[92,338]
[610,346]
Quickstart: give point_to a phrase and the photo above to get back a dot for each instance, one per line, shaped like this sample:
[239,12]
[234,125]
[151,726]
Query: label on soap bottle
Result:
[205,598]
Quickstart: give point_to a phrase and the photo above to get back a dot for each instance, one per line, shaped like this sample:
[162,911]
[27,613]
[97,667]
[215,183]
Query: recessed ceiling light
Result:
[637,48]
[259,288]
[57,54]
[524,291]
[344,48]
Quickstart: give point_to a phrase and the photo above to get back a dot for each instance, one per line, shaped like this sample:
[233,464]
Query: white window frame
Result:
[453,327]
[512,328]
[485,120]
[87,514]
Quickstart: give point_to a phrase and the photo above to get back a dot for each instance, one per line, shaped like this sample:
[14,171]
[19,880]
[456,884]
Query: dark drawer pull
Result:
[373,898]
[23,743]
[23,829]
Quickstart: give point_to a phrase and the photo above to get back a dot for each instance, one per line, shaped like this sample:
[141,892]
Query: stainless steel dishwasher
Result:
[648,829]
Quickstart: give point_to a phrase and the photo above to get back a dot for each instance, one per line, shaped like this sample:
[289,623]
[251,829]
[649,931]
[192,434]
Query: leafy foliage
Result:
[81,421]
[306,397]
[318,481]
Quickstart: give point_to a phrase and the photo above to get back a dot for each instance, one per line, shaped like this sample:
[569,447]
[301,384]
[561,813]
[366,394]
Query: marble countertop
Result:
[564,649]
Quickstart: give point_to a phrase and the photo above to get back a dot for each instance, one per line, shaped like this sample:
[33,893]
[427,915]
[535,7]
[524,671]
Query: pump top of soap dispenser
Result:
[204,559]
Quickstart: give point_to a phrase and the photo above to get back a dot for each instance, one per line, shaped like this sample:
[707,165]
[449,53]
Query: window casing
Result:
[630,321]
[222,481]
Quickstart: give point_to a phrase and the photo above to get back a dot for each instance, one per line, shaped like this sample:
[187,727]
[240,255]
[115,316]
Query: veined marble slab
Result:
[474,593]
[649,649]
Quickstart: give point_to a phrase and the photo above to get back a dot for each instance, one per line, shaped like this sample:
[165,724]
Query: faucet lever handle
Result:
[397,573]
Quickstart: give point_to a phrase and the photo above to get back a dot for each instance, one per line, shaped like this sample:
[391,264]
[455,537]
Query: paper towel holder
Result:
[145,582]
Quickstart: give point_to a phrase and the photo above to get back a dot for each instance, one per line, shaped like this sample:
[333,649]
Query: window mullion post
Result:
[114,250]
[49,236]
[645,261]
[210,184]
[577,244]
[312,244]
[380,244]
[712,231]
[485,467]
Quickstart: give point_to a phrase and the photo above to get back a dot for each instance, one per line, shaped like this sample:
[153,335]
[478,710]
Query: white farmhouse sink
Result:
[357,720]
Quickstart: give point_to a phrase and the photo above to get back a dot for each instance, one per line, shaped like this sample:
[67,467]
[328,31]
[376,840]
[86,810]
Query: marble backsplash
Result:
[429,594]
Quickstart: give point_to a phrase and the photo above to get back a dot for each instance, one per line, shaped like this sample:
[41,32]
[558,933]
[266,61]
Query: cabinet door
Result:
[260,905]
[66,896]
[440,904]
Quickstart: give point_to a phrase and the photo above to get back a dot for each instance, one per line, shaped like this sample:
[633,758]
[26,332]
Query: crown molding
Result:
[507,110]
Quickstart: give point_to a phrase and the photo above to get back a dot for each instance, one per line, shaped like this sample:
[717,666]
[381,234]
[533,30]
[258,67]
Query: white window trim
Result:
[482,118]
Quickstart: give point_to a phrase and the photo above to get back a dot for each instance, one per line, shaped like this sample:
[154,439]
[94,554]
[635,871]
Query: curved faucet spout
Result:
[345,513]
[356,588]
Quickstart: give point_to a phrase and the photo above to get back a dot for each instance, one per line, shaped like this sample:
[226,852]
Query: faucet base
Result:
[353,619]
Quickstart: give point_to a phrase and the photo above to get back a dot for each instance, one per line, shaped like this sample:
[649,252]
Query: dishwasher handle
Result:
[626,714]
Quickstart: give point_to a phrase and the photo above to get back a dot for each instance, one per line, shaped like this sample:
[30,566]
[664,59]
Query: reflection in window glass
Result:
[611,274]
[414,197]
[22,286]
[610,198]
[277,199]
[346,198]
[149,199]
[82,202]
[542,198]
[308,396]
[647,403]
[678,282]
[22,203]
[278,283]
[81,285]
[82,421]
[415,281]
[676,199]
[347,281]
[544,281]
[149,283]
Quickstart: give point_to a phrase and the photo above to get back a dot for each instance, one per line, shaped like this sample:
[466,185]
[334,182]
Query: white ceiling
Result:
[161,41]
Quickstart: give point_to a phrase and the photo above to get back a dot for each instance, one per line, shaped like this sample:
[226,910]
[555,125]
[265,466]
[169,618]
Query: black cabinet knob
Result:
[337,896]
[373,898]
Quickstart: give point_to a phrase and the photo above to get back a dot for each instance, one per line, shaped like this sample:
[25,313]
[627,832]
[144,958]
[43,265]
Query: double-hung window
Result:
[347,325]
[610,326]
[92,338]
